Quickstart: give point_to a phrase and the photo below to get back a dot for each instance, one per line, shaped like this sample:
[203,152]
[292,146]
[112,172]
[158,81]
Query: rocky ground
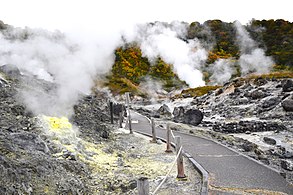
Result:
[81,155]
[253,116]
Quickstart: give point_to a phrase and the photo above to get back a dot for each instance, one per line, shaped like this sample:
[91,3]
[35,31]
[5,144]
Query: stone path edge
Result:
[197,166]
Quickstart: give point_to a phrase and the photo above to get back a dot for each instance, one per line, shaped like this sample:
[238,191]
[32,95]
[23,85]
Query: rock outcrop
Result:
[31,162]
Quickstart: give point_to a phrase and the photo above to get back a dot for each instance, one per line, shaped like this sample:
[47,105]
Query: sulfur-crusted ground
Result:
[55,159]
[82,155]
[116,164]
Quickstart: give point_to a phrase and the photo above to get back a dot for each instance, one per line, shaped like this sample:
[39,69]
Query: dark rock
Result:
[288,154]
[178,112]
[91,115]
[69,155]
[193,117]
[269,140]
[243,126]
[164,110]
[288,105]
[105,134]
[257,94]
[117,108]
[260,81]
[248,146]
[287,165]
[132,184]
[219,91]
[287,86]
[270,102]
[18,109]
[28,141]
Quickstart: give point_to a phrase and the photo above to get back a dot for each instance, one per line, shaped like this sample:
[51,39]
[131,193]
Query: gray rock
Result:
[257,94]
[243,100]
[287,86]
[270,102]
[286,164]
[178,112]
[10,70]
[287,104]
[193,117]
[164,110]
[269,140]
[248,146]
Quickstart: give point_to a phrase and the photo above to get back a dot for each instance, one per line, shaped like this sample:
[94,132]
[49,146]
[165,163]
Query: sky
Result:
[105,16]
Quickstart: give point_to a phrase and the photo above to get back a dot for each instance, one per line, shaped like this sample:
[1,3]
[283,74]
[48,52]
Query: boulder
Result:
[270,102]
[193,117]
[164,110]
[178,112]
[287,86]
[248,146]
[10,70]
[269,140]
[257,94]
[288,105]
[243,100]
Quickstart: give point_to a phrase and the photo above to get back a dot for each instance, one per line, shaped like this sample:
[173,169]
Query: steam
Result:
[252,59]
[153,88]
[162,40]
[222,71]
[70,63]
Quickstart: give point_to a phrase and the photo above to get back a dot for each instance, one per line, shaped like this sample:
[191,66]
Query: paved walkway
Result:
[227,169]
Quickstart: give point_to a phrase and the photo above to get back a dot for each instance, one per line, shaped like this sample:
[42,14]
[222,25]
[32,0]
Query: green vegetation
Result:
[131,68]
[198,91]
[276,75]
[274,36]
[277,37]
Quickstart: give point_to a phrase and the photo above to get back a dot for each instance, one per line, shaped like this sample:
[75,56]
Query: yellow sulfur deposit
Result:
[62,134]
[58,123]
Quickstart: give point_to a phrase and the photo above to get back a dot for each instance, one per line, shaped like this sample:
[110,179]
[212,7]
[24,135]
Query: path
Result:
[226,168]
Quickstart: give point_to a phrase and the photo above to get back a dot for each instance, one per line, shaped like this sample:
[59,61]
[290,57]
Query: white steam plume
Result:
[161,40]
[70,63]
[252,59]
[153,88]
[222,70]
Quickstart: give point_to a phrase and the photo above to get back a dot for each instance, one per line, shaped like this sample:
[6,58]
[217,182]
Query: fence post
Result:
[168,138]
[120,119]
[143,186]
[180,167]
[111,111]
[128,112]
[154,140]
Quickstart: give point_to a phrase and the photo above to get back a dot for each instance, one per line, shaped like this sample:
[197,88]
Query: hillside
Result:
[220,40]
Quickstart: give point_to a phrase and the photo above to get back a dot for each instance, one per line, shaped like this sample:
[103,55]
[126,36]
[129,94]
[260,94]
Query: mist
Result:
[252,59]
[222,71]
[72,62]
[163,40]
